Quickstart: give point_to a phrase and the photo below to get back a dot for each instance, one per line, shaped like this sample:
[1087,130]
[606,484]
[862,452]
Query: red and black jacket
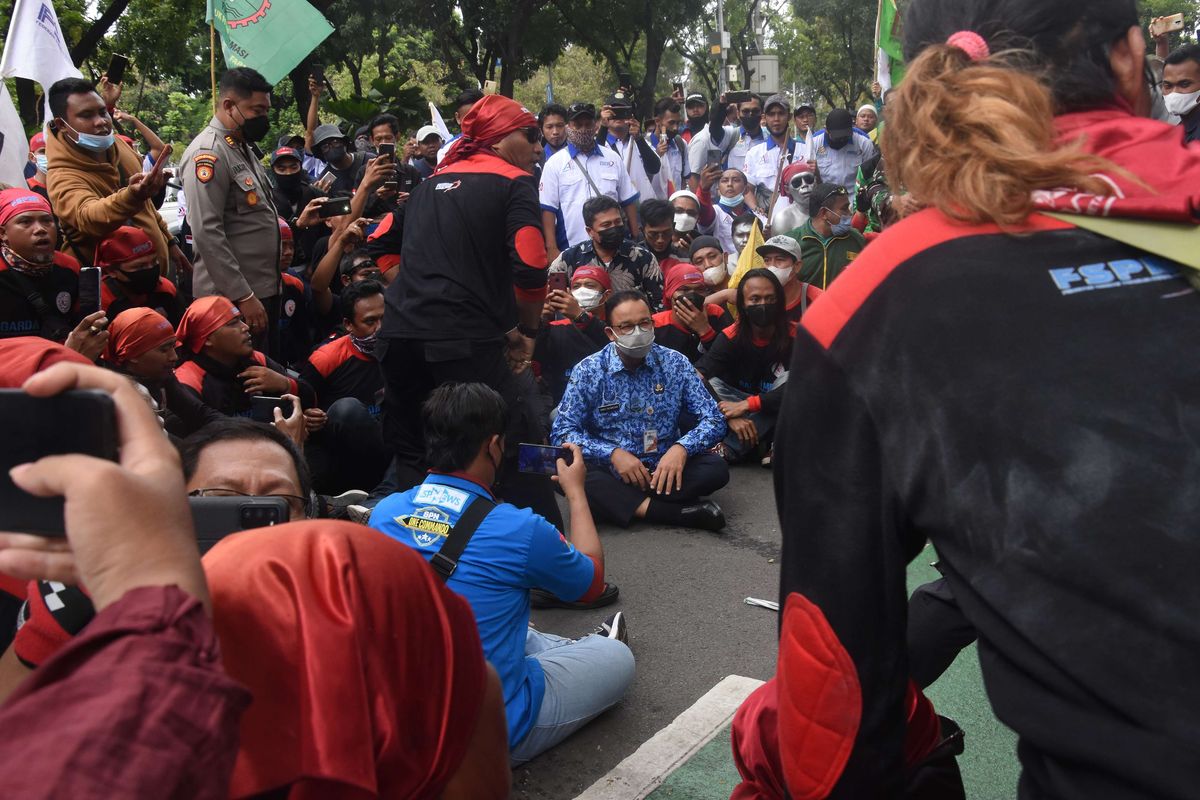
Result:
[670,333]
[472,242]
[220,388]
[561,345]
[115,298]
[1023,402]
[751,365]
[386,241]
[338,369]
[803,300]
[295,335]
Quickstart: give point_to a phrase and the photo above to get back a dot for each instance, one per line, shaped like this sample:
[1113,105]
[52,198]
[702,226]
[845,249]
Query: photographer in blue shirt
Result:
[552,685]
[624,407]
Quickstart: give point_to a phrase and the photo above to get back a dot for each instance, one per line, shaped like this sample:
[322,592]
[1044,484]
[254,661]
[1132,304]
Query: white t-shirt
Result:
[565,185]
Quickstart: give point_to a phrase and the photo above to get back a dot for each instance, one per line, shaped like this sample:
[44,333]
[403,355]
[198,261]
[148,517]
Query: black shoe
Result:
[336,507]
[614,627]
[707,516]
[540,598]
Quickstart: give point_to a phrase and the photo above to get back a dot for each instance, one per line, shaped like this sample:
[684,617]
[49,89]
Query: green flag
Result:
[888,41]
[271,36]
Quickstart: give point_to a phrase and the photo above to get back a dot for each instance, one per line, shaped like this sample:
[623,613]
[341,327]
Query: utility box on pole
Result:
[764,76]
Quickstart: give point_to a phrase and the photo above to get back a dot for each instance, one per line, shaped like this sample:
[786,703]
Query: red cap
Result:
[285,230]
[14,202]
[204,317]
[124,244]
[24,356]
[136,331]
[37,142]
[598,274]
[679,276]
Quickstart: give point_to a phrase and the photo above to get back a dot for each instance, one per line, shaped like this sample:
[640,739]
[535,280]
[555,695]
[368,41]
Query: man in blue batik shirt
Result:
[623,408]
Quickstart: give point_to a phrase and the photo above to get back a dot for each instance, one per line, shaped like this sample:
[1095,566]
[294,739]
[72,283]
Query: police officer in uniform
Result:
[231,209]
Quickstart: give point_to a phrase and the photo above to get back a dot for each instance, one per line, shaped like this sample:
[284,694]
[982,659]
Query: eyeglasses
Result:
[627,328]
[531,135]
[296,504]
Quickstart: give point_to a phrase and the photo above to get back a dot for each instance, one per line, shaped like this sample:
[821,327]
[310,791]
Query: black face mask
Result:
[289,183]
[255,128]
[695,299]
[696,125]
[761,316]
[334,153]
[611,238]
[837,142]
[752,124]
[142,281]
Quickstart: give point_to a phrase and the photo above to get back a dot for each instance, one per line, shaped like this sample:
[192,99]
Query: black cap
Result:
[839,123]
[821,194]
[576,110]
[619,100]
[805,107]
[696,99]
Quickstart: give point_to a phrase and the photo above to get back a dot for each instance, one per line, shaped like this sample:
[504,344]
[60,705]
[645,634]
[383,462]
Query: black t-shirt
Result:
[57,313]
[749,365]
[670,333]
[337,369]
[345,180]
[472,238]
[115,298]
[295,334]
[561,345]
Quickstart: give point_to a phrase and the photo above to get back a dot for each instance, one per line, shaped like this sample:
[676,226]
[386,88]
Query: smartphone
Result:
[89,290]
[336,207]
[217,517]
[78,421]
[317,72]
[677,87]
[556,281]
[740,96]
[622,112]
[491,87]
[393,186]
[387,149]
[1167,24]
[116,68]
[541,459]
[713,158]
[262,409]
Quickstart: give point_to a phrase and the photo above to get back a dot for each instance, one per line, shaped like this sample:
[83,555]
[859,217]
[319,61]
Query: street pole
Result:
[722,82]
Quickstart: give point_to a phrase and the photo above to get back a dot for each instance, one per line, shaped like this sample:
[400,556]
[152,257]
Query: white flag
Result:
[435,119]
[14,148]
[883,69]
[35,47]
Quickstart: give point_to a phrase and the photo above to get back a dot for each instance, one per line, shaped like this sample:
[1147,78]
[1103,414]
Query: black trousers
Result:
[937,631]
[615,501]
[413,369]
[349,452]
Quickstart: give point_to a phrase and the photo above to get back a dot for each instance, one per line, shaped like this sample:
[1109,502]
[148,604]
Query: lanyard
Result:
[591,182]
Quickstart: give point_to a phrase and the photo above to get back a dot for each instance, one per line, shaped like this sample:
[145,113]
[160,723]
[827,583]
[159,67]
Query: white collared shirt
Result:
[564,187]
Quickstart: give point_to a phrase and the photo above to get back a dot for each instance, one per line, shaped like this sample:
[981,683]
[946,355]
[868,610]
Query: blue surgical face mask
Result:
[731,202]
[42,162]
[91,141]
[842,226]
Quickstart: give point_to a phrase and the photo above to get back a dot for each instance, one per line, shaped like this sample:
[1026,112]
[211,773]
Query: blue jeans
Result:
[764,421]
[584,677]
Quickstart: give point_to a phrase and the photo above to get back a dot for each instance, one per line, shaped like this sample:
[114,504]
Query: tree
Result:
[831,48]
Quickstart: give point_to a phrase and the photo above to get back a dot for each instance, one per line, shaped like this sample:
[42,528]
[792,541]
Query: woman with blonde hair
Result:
[1000,374]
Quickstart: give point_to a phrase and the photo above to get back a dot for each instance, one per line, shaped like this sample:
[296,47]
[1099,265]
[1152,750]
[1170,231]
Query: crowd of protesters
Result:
[372,325]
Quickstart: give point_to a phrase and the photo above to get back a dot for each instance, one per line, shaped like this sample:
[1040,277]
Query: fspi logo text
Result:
[1113,274]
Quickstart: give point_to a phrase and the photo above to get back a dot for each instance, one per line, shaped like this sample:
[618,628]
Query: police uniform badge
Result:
[205,167]
[252,198]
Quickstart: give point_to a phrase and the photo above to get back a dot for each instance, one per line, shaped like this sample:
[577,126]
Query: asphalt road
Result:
[682,591]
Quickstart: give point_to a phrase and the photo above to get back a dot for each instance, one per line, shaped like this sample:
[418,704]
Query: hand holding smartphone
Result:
[542,459]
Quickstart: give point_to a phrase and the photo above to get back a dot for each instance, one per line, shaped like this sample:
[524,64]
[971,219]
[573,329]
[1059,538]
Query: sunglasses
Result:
[531,135]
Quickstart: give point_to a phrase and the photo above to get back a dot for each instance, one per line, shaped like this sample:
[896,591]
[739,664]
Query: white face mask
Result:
[1181,104]
[587,298]
[782,273]
[714,275]
[685,223]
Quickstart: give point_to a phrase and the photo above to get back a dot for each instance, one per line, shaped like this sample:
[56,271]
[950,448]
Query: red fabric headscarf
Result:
[14,202]
[124,244]
[489,121]
[202,318]
[598,274]
[366,671]
[24,356]
[136,331]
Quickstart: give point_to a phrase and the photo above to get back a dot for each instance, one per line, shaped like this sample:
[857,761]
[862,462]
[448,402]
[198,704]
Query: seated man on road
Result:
[781,257]
[565,342]
[221,364]
[346,449]
[688,324]
[552,686]
[623,407]
[133,277]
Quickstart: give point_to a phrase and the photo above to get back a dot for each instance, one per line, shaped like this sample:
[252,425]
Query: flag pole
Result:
[212,63]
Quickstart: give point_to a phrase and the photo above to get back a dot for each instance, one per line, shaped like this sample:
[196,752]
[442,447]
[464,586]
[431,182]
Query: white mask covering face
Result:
[782,273]
[685,223]
[1181,104]
[586,297]
[714,275]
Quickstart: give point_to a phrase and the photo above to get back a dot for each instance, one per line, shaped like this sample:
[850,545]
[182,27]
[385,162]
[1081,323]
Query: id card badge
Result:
[650,441]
